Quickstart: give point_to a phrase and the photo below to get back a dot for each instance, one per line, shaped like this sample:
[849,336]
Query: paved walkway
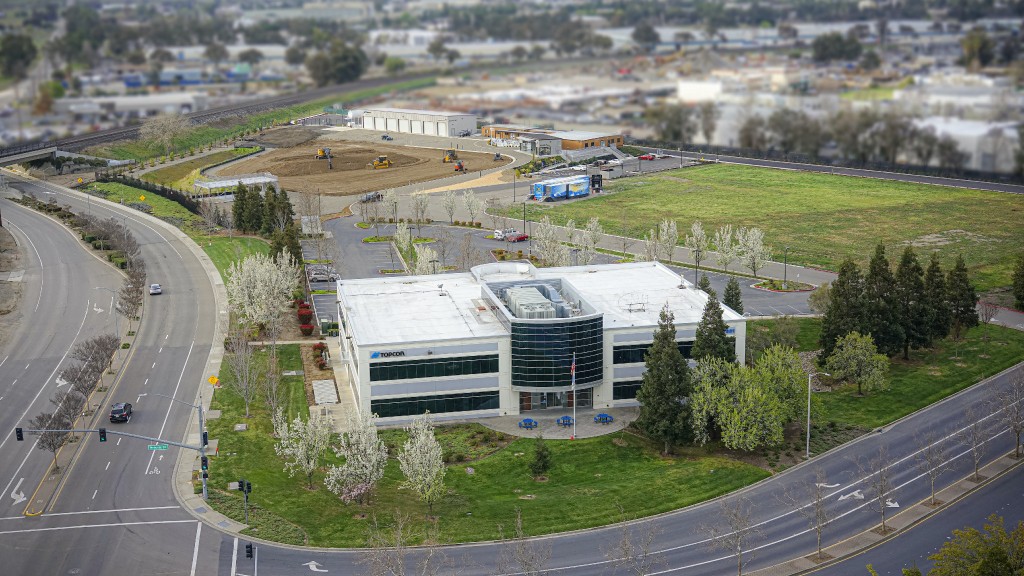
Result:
[546,419]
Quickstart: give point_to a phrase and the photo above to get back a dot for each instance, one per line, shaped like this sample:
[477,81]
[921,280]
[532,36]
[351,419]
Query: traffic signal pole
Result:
[202,435]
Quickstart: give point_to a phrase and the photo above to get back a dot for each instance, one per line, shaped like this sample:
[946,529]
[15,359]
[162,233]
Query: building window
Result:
[634,353]
[416,405]
[436,368]
[542,353]
[626,390]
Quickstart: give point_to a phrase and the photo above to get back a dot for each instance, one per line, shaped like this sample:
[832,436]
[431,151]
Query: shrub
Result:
[321,364]
[319,346]
[478,224]
[306,329]
[305,315]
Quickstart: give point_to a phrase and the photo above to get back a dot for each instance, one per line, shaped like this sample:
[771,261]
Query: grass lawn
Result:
[929,376]
[184,174]
[224,251]
[822,218]
[162,207]
[869,94]
[589,480]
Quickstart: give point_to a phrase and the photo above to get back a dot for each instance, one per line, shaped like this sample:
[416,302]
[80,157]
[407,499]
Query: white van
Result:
[501,234]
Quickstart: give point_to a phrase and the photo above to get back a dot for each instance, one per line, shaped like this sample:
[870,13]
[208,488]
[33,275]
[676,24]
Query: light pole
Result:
[809,377]
[785,268]
[202,433]
[434,263]
[514,174]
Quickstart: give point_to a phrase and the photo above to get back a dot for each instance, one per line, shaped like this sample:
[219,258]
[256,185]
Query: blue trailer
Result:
[561,188]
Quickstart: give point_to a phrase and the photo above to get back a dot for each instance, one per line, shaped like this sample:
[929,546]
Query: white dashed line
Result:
[107,468]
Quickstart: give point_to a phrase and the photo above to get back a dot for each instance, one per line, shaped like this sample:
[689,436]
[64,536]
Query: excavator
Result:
[323,153]
[381,162]
[450,156]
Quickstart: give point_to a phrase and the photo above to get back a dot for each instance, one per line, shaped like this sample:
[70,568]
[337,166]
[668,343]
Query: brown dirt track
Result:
[299,171]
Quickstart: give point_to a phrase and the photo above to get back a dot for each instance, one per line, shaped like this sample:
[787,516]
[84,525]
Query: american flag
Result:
[572,370]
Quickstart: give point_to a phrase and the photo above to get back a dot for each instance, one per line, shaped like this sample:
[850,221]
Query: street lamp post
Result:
[809,377]
[514,174]
[433,262]
[785,268]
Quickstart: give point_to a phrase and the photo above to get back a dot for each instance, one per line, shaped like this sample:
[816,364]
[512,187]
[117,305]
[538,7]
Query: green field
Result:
[181,176]
[822,218]
[590,479]
[224,250]
[205,135]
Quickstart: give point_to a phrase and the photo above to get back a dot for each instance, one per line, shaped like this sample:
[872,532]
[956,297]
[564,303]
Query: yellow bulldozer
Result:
[450,156]
[323,153]
[381,162]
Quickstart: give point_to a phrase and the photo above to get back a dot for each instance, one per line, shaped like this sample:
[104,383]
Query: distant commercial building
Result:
[408,121]
[567,139]
[990,146]
[503,338]
[141,106]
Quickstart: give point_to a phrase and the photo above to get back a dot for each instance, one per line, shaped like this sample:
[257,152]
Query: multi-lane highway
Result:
[117,514]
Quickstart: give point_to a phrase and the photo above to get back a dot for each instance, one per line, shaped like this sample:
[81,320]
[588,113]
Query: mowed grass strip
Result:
[824,219]
[589,481]
[183,174]
[224,250]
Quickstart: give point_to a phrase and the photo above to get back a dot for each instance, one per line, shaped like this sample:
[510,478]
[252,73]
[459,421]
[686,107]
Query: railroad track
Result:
[82,141]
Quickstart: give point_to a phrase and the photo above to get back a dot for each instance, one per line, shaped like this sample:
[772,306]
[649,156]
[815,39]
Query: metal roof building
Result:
[411,121]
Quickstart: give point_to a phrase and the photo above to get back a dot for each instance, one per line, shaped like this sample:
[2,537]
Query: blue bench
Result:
[528,423]
[603,419]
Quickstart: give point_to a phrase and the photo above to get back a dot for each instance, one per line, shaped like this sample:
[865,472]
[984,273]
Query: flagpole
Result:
[575,400]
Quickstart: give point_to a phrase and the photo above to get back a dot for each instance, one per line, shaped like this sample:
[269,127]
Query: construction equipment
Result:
[323,153]
[450,156]
[460,166]
[497,156]
[381,162]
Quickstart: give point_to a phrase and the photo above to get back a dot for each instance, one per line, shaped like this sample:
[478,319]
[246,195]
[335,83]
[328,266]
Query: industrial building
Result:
[503,338]
[570,139]
[431,123]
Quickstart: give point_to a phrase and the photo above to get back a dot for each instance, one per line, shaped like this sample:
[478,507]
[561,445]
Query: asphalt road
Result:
[116,512]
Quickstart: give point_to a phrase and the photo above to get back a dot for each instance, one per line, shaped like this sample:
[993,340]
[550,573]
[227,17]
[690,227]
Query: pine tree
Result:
[937,313]
[705,284]
[541,462]
[963,300]
[845,311]
[269,213]
[254,212]
[880,305]
[711,340]
[291,241]
[1018,283]
[911,309]
[664,415]
[239,207]
[733,297]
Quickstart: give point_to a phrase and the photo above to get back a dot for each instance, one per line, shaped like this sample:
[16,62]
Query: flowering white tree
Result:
[426,261]
[403,238]
[472,203]
[752,251]
[651,249]
[589,239]
[548,245]
[302,444]
[450,202]
[389,201]
[260,286]
[421,462]
[725,247]
[365,456]
[668,237]
[571,232]
[697,242]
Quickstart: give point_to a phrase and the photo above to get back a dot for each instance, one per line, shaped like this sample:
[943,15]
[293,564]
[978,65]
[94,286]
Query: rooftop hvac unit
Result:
[536,311]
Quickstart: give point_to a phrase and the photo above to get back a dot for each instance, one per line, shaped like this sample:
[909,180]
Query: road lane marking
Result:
[5,360]
[111,525]
[234,558]
[94,493]
[161,350]
[107,467]
[112,510]
[173,394]
[118,442]
[195,549]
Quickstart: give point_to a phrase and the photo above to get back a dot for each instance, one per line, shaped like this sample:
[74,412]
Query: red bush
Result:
[319,346]
[306,329]
[304,305]
[298,302]
[305,315]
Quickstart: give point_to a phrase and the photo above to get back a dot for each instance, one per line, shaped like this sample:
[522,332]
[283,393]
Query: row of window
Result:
[414,406]
[542,354]
[439,368]
[633,353]
[626,390]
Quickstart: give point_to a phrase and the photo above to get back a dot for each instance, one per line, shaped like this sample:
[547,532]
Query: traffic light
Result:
[248,550]
[206,439]
[206,475]
[103,434]
[241,484]
[248,487]
[204,463]
[19,435]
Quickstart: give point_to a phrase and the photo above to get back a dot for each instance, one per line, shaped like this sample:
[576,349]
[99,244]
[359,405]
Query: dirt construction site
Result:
[299,170]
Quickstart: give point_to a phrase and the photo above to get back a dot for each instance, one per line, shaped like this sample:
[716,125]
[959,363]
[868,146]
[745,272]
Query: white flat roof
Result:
[409,309]
[414,111]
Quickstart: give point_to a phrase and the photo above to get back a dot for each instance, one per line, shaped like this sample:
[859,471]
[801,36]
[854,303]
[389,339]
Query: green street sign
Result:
[158,446]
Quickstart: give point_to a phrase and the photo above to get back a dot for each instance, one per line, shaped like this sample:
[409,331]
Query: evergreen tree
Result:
[880,305]
[705,284]
[664,413]
[254,212]
[937,311]
[238,207]
[711,340]
[291,241]
[911,309]
[962,298]
[269,213]
[284,204]
[541,462]
[845,311]
[733,297]
[1018,283]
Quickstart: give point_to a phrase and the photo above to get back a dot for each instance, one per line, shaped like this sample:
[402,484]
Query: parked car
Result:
[121,412]
[464,133]
[386,137]
[321,276]
[516,237]
[646,156]
[155,289]
[500,234]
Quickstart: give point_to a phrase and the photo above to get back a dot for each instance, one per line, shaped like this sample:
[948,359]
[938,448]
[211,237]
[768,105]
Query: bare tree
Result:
[389,550]
[987,311]
[633,553]
[930,459]
[163,129]
[468,255]
[444,244]
[390,202]
[245,367]
[879,473]
[651,249]
[708,119]
[973,436]
[519,554]
[51,441]
[472,203]
[420,207]
[1011,414]
[211,216]
[272,381]
[810,500]
[373,213]
[736,532]
[131,294]
[697,242]
[309,208]
[450,201]
[495,211]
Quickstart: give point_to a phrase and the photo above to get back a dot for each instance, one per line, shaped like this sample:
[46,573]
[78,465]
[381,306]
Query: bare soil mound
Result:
[300,171]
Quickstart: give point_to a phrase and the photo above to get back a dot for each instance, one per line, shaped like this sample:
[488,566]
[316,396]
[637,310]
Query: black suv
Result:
[121,412]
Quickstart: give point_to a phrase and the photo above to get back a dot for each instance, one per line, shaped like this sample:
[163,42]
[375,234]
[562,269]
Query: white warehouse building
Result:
[503,338]
[432,123]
